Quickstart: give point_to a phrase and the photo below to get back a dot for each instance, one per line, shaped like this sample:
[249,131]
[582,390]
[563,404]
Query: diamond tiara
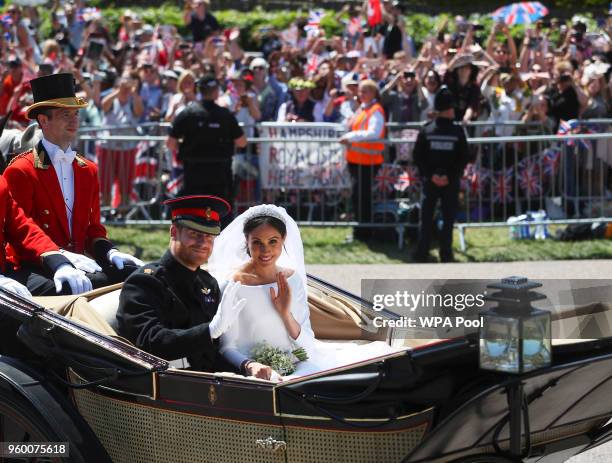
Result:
[264,210]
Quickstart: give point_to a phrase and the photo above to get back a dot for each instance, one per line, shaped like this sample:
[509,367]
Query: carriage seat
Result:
[106,306]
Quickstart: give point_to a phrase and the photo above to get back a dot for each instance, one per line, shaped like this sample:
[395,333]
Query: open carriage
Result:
[77,382]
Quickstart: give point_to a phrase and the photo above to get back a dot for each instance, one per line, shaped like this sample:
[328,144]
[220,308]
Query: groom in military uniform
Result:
[174,309]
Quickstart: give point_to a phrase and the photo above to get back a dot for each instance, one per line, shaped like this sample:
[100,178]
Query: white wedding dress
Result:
[259,322]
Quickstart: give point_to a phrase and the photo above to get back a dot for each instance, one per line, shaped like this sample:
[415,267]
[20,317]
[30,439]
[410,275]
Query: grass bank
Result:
[330,246]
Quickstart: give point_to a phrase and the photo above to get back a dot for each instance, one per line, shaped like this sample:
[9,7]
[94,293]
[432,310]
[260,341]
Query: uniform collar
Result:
[177,270]
[42,159]
[57,154]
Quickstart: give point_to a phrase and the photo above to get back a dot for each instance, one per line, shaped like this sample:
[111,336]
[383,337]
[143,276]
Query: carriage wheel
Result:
[21,423]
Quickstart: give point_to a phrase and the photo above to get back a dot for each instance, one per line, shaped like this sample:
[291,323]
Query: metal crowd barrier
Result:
[568,176]
[131,167]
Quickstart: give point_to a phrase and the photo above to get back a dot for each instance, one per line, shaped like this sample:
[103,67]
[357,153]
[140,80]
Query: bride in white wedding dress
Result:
[262,249]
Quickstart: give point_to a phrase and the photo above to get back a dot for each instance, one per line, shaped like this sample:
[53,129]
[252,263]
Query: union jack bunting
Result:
[385,179]
[550,161]
[529,181]
[501,185]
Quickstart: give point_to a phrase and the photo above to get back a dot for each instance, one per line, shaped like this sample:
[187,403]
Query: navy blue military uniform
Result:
[165,308]
[441,149]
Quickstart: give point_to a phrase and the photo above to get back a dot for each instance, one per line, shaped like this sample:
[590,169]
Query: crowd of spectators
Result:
[558,71]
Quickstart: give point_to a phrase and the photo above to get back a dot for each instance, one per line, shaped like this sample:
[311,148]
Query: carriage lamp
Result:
[515,337]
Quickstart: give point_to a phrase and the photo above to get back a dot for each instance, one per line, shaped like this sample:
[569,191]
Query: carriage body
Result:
[426,402]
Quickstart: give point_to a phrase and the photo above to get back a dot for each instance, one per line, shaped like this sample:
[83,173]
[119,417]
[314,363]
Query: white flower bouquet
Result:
[283,362]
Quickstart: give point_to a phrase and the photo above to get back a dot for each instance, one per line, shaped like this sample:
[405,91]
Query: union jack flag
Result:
[572,127]
[385,178]
[408,179]
[550,161]
[145,168]
[88,14]
[314,22]
[501,185]
[529,181]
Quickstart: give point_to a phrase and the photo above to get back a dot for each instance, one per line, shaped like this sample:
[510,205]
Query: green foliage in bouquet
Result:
[280,361]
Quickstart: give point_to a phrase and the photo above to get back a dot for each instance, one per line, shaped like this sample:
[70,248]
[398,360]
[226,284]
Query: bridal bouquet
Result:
[283,362]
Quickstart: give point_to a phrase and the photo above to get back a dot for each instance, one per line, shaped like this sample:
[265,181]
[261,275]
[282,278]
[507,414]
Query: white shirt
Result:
[62,163]
[376,124]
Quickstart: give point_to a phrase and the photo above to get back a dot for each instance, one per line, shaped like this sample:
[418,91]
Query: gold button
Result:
[46,212]
[46,225]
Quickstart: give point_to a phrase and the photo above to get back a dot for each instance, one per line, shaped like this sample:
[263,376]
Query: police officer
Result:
[174,309]
[205,136]
[441,154]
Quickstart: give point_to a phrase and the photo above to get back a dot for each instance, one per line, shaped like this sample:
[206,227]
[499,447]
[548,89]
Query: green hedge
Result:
[254,22]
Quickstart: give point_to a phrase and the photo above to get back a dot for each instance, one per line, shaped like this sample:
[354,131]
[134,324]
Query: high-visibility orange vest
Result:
[366,153]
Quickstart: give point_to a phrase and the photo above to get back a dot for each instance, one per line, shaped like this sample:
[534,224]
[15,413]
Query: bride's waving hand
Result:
[281,300]
[251,251]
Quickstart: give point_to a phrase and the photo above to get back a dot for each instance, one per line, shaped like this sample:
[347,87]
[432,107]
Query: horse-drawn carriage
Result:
[67,377]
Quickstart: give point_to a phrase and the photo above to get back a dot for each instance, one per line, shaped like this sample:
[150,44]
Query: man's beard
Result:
[193,258]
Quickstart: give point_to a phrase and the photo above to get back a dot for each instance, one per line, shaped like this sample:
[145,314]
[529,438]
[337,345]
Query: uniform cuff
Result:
[199,337]
[54,260]
[100,251]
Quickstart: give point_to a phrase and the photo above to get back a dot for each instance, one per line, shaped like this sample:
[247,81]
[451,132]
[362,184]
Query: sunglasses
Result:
[409,75]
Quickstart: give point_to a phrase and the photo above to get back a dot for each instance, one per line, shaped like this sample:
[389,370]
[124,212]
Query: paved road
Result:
[349,277]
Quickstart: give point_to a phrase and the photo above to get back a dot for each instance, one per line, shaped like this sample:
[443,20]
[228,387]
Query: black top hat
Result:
[55,91]
[202,213]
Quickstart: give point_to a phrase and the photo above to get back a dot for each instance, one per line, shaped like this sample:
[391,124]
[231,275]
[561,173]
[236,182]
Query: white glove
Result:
[76,278]
[228,310]
[15,287]
[119,259]
[82,262]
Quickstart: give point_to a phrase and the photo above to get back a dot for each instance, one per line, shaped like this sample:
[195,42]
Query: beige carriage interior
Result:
[333,317]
